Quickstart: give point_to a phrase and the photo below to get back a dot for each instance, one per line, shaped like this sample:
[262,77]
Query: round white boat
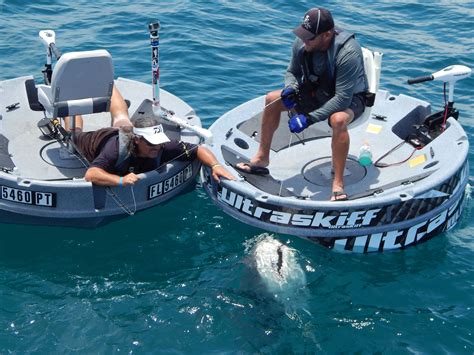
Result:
[413,192]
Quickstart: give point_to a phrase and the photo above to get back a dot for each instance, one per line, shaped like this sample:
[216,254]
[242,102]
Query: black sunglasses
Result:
[148,143]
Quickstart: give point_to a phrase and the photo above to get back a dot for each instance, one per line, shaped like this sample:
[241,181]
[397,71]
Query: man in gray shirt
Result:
[325,80]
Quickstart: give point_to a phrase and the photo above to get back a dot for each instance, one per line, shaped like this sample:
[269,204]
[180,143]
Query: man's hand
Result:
[129,179]
[219,171]
[297,123]
[206,157]
[289,96]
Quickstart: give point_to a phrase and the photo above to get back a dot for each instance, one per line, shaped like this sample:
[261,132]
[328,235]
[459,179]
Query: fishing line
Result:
[281,182]
[271,103]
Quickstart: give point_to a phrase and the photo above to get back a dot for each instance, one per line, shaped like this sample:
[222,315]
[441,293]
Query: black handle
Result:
[55,50]
[153,28]
[420,79]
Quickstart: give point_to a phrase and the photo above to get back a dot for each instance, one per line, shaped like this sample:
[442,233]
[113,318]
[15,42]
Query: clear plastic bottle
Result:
[365,154]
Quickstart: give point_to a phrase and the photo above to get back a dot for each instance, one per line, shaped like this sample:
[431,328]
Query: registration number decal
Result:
[171,183]
[27,197]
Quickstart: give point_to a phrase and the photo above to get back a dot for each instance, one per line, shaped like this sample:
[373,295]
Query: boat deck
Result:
[300,165]
[34,156]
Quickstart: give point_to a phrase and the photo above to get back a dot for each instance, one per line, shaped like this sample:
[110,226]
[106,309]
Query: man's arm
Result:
[188,152]
[206,157]
[119,110]
[101,171]
[101,177]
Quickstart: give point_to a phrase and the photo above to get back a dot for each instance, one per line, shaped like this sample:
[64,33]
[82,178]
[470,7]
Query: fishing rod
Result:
[159,111]
[271,103]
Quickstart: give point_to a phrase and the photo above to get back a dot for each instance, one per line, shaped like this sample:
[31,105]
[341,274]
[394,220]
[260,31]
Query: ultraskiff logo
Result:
[354,219]
[397,239]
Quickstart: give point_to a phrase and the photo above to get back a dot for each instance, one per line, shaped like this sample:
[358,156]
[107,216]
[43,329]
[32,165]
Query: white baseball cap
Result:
[154,134]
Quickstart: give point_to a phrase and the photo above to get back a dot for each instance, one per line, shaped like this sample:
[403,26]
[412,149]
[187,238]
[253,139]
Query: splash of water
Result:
[277,265]
[468,192]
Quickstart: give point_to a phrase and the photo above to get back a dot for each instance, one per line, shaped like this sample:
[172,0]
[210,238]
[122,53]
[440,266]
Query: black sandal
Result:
[252,169]
[337,194]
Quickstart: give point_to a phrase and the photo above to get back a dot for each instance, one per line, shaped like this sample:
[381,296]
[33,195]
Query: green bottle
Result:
[365,154]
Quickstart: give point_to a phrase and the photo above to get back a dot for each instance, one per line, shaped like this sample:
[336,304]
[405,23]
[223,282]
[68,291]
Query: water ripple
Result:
[177,277]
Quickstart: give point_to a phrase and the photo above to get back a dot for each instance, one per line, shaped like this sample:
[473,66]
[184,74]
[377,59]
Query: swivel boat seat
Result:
[372,68]
[81,84]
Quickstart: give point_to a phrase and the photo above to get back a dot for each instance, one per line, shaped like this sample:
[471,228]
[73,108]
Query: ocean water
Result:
[182,277]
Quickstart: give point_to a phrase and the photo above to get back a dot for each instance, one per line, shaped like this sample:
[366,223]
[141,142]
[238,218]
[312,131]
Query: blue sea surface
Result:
[180,278]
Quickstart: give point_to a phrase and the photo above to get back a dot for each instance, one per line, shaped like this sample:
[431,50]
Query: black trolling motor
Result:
[51,128]
[435,124]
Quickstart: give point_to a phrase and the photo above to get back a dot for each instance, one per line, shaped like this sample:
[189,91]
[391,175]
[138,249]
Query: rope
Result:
[119,202]
[378,164]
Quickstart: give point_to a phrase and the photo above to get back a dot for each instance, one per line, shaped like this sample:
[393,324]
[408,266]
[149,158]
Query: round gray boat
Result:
[42,180]
[414,191]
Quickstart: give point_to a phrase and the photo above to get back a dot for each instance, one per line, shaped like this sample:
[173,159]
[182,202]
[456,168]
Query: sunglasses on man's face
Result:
[311,39]
[148,144]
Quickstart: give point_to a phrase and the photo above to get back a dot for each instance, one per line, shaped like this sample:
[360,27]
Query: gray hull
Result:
[40,183]
[389,207]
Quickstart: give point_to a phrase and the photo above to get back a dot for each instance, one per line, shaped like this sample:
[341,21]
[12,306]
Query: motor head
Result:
[48,37]
[449,74]
[452,73]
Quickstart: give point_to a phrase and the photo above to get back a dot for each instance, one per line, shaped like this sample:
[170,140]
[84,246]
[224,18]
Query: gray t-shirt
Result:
[347,77]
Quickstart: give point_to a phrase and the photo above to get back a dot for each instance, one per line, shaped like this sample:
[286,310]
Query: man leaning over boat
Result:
[119,153]
[325,80]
